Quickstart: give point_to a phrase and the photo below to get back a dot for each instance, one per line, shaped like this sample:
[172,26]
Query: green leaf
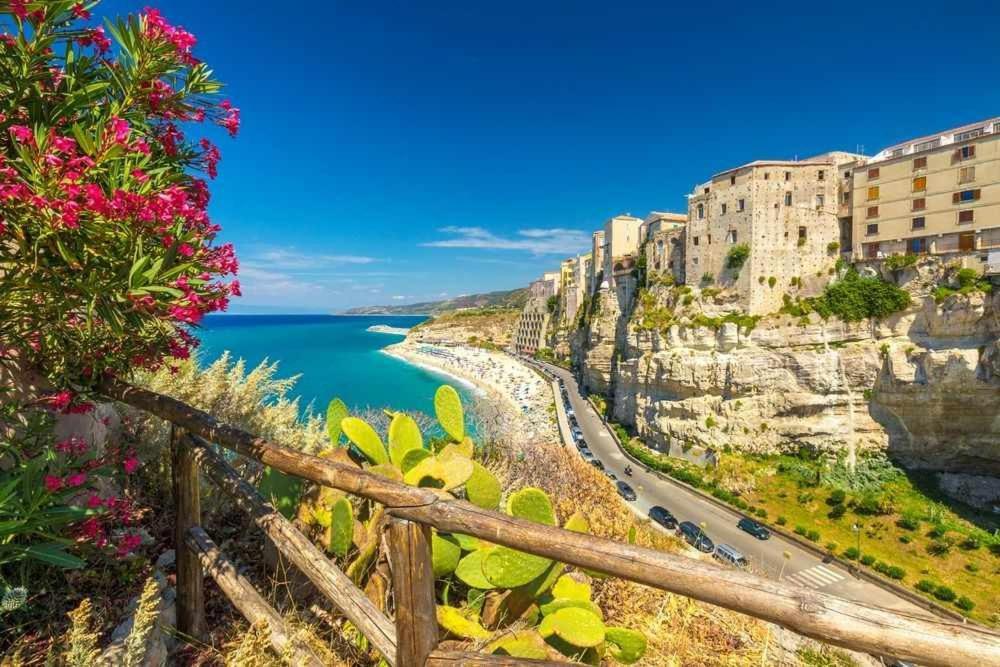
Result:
[448,409]
[533,505]
[335,413]
[470,570]
[53,554]
[626,646]
[365,439]
[483,489]
[404,436]
[575,625]
[137,266]
[281,490]
[341,527]
[445,553]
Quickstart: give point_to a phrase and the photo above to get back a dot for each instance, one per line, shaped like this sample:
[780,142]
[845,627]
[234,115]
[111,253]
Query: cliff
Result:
[923,384]
[485,327]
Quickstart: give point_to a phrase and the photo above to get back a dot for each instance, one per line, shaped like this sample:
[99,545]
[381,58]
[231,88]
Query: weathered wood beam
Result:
[241,592]
[302,553]
[463,658]
[187,504]
[412,592]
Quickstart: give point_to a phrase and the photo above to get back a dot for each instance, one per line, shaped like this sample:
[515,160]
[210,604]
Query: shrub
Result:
[831,547]
[837,496]
[772,281]
[891,571]
[908,522]
[896,262]
[801,530]
[926,586]
[761,512]
[837,511]
[852,553]
[737,256]
[854,298]
[905,539]
[868,560]
[971,567]
[781,521]
[944,593]
[971,543]
[874,504]
[940,547]
[832,247]
[107,248]
[813,535]
[707,279]
[965,604]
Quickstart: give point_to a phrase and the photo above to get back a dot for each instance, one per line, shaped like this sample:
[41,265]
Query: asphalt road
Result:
[766,557]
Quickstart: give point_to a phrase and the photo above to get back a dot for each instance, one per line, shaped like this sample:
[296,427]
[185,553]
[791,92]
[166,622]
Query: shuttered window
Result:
[919,183]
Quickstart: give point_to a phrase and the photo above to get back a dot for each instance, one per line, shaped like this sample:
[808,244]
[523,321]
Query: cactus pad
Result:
[577,523]
[533,505]
[434,473]
[467,542]
[577,626]
[509,568]
[562,603]
[571,589]
[281,490]
[470,570]
[452,620]
[448,409]
[335,413]
[445,553]
[404,436]
[365,439]
[482,488]
[412,458]
[527,644]
[341,527]
[624,645]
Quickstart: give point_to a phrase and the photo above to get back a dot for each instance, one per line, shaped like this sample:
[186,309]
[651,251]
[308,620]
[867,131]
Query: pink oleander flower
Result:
[140,175]
[80,12]
[52,483]
[130,464]
[94,501]
[23,134]
[185,250]
[95,37]
[61,400]
[128,544]
[76,479]
[19,8]
[120,129]
[64,144]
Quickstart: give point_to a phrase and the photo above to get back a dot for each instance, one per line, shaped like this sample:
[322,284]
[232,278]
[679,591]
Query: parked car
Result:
[610,475]
[582,445]
[696,537]
[757,530]
[570,412]
[597,463]
[625,491]
[662,516]
[587,455]
[728,554]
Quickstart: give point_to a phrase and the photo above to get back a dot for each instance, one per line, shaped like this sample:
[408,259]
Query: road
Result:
[802,567]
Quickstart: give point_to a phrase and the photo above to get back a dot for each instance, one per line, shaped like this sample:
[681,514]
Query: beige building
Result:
[938,194]
[786,212]
[622,238]
[663,238]
[596,261]
[576,280]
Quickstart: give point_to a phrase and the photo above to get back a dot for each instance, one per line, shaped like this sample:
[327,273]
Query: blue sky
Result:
[393,153]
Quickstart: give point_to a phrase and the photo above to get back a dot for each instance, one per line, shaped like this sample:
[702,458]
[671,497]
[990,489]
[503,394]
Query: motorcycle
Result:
[628,470]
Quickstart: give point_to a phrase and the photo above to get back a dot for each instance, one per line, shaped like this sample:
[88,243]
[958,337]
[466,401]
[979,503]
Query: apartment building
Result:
[786,212]
[575,286]
[596,261]
[937,194]
[532,328]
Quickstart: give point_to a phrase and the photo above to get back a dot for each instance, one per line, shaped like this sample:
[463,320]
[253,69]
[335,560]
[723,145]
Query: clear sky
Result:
[396,152]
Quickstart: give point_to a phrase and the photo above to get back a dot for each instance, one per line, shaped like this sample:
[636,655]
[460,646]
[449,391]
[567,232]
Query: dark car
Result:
[696,537]
[597,464]
[625,491]
[754,528]
[662,516]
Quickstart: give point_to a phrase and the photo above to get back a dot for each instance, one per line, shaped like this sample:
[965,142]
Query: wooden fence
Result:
[412,639]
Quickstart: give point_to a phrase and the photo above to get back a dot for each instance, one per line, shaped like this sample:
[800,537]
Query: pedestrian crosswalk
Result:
[817,576]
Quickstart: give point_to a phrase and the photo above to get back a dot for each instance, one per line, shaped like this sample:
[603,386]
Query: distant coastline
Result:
[386,329]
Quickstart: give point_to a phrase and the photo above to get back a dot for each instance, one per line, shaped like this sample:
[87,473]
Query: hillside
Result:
[504,299]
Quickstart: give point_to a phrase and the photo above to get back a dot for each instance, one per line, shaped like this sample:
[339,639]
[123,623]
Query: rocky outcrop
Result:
[923,384]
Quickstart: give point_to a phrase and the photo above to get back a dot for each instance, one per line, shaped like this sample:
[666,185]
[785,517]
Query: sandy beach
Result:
[496,374]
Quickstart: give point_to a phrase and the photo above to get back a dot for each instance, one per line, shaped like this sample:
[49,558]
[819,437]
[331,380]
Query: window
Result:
[926,145]
[971,134]
[847,197]
[847,173]
[731,236]
[723,209]
[767,175]
[967,241]
[871,250]
[788,199]
[919,183]
[732,180]
[919,204]
[872,229]
[918,223]
[966,216]
[701,213]
[873,193]
[965,196]
[821,175]
[706,191]
[742,204]
[996,128]
[694,261]
[897,153]
[916,246]
[694,240]
[965,153]
[920,163]
[802,233]
[966,174]
[820,200]
[788,175]
[873,173]
[709,239]
[872,212]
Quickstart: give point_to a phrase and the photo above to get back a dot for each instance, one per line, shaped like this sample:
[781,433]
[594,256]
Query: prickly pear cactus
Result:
[483,488]
[575,625]
[365,439]
[445,554]
[470,570]
[532,504]
[281,490]
[412,458]
[526,644]
[508,568]
[341,527]
[454,621]
[335,413]
[404,436]
[624,645]
[448,409]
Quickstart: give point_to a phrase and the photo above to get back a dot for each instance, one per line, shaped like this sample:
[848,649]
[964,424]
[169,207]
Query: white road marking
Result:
[818,576]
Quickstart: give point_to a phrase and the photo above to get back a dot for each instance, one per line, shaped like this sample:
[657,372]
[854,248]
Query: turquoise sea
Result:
[333,353]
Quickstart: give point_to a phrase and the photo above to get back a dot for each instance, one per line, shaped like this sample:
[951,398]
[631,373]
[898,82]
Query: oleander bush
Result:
[107,253]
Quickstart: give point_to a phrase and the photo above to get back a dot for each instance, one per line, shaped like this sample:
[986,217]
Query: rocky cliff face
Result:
[923,384]
[492,327]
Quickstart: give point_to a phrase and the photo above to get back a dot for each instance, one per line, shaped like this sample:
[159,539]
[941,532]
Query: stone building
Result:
[938,194]
[596,261]
[663,238]
[787,214]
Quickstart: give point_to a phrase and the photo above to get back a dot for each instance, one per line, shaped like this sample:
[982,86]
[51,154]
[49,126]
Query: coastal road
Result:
[802,567]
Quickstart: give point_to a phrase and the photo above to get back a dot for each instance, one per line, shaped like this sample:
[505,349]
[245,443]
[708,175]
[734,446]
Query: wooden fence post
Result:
[187,502]
[413,592]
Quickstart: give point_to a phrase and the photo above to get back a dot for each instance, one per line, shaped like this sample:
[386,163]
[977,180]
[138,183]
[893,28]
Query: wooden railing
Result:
[412,640]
